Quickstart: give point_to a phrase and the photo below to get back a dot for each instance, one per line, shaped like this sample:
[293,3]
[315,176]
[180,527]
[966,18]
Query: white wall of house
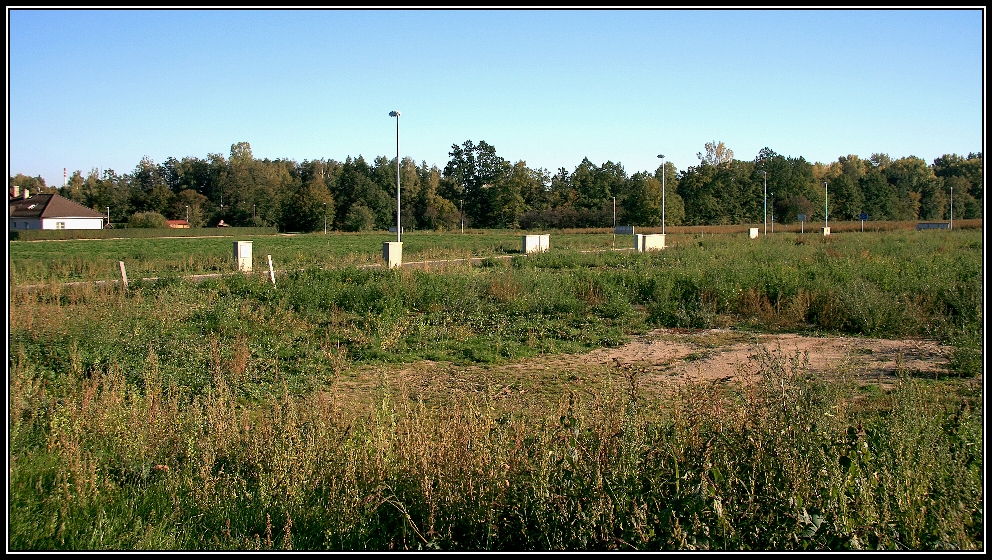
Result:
[55,223]
[72,223]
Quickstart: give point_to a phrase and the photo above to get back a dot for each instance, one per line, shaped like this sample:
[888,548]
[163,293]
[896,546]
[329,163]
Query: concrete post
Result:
[392,253]
[242,256]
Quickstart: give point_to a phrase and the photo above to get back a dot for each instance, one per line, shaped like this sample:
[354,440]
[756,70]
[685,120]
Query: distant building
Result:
[178,224]
[49,211]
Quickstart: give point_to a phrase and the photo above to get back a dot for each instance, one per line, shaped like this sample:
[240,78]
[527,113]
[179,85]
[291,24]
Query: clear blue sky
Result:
[104,88]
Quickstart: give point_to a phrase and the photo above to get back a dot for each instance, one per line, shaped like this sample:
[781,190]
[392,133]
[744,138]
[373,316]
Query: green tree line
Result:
[480,189]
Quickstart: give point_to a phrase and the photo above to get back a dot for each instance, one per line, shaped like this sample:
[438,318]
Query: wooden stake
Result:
[272,274]
[123,273]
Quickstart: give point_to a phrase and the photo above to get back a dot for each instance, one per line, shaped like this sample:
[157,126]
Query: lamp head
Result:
[662,156]
[394,113]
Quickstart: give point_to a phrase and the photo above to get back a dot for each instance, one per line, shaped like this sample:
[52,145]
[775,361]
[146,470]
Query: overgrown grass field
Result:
[71,260]
[216,415]
[209,250]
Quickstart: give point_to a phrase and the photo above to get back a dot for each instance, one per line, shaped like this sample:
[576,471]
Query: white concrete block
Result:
[653,242]
[242,255]
[392,253]
[536,243]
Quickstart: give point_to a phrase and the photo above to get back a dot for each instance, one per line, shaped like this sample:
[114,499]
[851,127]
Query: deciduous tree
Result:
[195,202]
[477,169]
[716,154]
[433,210]
[308,207]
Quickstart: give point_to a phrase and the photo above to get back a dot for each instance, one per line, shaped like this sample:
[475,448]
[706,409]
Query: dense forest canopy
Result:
[487,191]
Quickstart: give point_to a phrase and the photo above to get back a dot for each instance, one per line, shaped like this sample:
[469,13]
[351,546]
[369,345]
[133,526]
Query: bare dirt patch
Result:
[663,358]
[718,354]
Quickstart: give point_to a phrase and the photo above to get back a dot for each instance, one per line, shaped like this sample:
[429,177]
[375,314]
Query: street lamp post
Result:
[187,214]
[773,213]
[397,115]
[325,218]
[662,156]
[461,213]
[825,221]
[108,216]
[952,208]
[614,223]
[765,173]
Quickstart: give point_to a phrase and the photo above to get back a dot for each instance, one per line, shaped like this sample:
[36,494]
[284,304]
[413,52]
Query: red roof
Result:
[49,206]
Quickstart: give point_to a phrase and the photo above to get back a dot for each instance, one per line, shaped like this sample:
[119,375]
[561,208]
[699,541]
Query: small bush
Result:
[147,220]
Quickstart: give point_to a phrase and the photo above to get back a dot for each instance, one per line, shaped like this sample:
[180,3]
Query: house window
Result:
[25,225]
[59,225]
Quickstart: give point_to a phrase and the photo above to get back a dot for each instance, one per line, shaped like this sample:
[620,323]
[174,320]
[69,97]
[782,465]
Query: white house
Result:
[49,211]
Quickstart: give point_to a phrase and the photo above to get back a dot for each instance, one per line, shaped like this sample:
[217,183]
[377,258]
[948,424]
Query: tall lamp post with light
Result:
[392,251]
[952,208]
[765,173]
[826,224]
[614,223]
[662,157]
[397,115]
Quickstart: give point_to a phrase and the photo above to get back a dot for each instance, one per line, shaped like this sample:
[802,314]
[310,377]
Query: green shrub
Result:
[147,220]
